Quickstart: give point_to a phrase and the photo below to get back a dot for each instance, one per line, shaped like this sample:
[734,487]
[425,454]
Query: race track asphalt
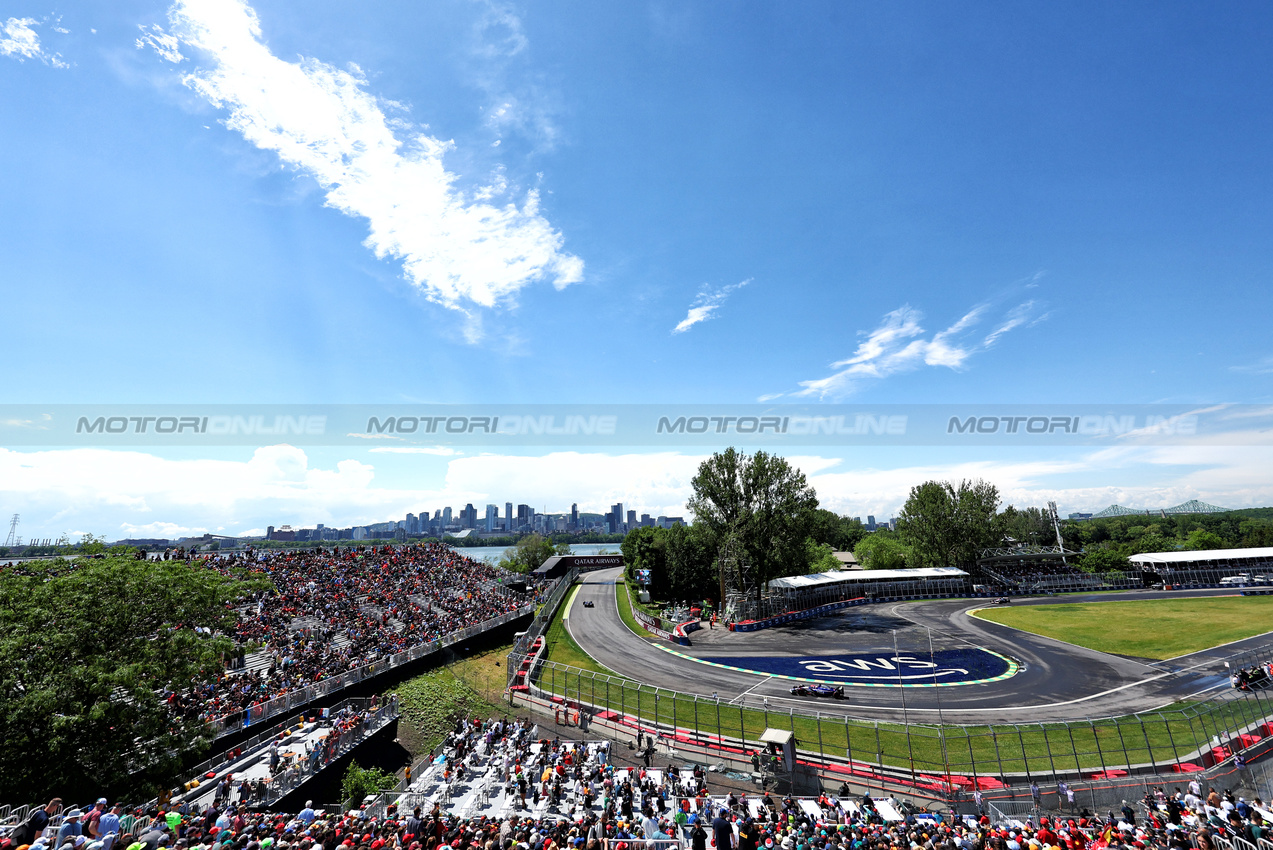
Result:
[1056,681]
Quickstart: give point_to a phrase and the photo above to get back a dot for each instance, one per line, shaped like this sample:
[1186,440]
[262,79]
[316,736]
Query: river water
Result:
[494,553]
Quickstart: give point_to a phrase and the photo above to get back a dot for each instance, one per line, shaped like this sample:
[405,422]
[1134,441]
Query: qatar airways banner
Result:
[581,426]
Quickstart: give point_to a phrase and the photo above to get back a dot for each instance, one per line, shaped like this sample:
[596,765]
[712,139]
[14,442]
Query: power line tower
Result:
[12,539]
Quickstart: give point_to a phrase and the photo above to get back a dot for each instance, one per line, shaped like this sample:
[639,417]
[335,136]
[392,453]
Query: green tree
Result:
[646,549]
[691,563]
[1200,538]
[841,533]
[530,553]
[1153,543]
[820,557]
[1256,533]
[1030,526]
[1104,561]
[948,526]
[765,503]
[86,650]
[358,782]
[882,550]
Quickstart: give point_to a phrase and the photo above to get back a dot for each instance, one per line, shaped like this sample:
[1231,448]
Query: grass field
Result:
[1157,628]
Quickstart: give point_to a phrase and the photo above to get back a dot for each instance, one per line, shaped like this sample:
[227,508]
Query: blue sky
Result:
[330,202]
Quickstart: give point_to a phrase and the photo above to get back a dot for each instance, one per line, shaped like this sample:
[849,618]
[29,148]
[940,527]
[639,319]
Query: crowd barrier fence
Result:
[304,696]
[1167,743]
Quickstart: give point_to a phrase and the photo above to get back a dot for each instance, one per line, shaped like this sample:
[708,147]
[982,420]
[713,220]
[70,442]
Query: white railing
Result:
[304,696]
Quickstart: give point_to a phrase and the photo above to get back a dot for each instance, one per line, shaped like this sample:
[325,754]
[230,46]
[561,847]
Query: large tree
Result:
[841,533]
[530,553]
[760,502]
[882,550]
[86,652]
[948,526]
[691,563]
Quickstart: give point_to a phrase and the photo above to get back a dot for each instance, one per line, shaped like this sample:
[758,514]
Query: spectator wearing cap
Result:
[92,819]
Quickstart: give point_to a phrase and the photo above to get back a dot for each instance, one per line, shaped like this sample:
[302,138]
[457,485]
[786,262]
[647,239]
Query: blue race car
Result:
[833,691]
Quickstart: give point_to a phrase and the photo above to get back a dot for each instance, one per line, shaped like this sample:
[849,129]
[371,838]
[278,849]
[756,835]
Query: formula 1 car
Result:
[833,691]
[1003,600]
[587,603]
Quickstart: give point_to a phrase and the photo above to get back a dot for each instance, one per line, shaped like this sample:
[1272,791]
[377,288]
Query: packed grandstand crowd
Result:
[335,610]
[639,814]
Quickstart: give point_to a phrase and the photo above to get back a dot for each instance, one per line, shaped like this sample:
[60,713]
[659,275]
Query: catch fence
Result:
[941,759]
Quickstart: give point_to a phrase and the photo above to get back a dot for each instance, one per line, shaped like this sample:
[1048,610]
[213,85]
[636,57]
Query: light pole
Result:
[941,723]
[910,754]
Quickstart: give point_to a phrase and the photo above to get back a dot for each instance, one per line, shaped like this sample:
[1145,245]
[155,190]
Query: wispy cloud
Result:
[708,302]
[19,40]
[441,451]
[1263,366]
[899,344]
[519,100]
[129,493]
[462,249]
[163,43]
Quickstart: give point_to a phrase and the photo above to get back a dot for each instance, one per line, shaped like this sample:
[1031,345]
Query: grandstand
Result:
[802,593]
[1207,566]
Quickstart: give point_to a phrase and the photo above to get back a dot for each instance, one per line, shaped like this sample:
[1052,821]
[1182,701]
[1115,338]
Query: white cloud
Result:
[20,41]
[441,451]
[169,530]
[462,250]
[1263,366]
[519,100]
[122,493]
[705,304]
[898,345]
[163,43]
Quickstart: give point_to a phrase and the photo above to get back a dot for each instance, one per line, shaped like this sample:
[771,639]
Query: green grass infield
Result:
[1155,628]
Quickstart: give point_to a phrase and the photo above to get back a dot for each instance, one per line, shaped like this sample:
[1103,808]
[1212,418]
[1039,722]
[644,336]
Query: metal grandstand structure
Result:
[1044,569]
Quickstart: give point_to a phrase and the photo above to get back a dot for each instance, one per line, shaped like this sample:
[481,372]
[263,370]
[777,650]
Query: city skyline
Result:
[443,522]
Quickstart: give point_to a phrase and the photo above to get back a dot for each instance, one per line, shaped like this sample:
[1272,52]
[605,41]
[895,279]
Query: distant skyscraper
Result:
[446,518]
[574,517]
[470,516]
[492,514]
[646,521]
[632,523]
[509,524]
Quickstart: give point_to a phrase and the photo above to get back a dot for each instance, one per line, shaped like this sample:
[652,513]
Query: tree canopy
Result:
[761,502]
[86,651]
[883,550]
[947,526]
[530,553]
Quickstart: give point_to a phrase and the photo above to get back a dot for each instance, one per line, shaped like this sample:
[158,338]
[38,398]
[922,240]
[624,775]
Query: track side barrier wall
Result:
[660,628]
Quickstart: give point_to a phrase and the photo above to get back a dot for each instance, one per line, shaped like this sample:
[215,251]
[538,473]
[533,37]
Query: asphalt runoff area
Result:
[945,665]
